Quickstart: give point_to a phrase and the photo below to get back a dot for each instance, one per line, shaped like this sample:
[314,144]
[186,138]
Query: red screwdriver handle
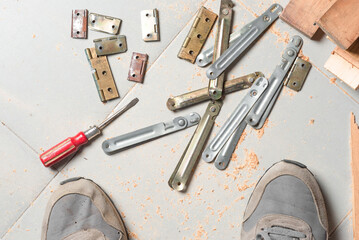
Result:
[63,149]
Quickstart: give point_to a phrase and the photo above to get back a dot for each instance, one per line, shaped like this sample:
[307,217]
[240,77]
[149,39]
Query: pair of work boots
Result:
[286,204]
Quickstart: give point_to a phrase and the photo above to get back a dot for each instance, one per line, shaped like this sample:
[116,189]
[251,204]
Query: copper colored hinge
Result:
[79,24]
[138,67]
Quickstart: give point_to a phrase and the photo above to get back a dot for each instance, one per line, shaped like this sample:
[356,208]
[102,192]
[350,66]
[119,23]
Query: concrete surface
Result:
[47,94]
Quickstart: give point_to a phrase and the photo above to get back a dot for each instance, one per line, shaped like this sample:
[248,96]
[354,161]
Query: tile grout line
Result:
[340,223]
[13,225]
[22,140]
[128,92]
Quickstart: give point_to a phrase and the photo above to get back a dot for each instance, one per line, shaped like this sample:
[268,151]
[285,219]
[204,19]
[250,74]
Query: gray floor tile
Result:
[311,126]
[21,180]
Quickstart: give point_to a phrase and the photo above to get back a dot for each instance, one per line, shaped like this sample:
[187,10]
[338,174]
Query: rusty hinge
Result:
[138,67]
[79,24]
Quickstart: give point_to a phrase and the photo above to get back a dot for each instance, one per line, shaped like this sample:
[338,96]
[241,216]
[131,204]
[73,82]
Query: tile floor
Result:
[47,93]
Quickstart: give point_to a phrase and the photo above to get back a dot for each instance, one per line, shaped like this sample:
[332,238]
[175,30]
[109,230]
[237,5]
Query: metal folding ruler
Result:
[254,110]
[223,57]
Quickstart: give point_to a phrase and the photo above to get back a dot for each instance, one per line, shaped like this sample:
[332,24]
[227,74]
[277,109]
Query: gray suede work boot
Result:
[286,204]
[80,209]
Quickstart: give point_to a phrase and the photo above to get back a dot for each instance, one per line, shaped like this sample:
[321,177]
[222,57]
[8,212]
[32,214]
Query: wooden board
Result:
[303,14]
[355,174]
[343,70]
[341,22]
[351,55]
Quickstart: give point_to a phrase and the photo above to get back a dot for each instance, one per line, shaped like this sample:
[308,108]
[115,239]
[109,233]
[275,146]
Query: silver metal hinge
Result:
[110,45]
[102,23]
[150,26]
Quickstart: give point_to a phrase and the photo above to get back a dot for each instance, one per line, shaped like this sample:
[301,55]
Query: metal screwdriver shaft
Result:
[72,144]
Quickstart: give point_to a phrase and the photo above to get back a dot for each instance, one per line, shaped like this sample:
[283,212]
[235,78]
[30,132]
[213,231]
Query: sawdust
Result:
[133,235]
[201,233]
[288,92]
[59,46]
[302,56]
[247,8]
[260,132]
[311,122]
[234,156]
[281,37]
[158,211]
[239,199]
[220,213]
[333,80]
[245,187]
[242,138]
[250,163]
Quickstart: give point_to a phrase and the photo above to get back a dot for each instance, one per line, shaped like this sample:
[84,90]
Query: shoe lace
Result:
[279,233]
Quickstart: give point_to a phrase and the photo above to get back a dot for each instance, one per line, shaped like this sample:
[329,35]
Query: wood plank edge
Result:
[329,67]
[299,27]
[354,142]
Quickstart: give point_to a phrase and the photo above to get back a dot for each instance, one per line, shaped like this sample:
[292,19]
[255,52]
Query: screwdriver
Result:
[72,144]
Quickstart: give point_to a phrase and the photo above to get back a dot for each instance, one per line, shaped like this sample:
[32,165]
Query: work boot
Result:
[286,204]
[80,209]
